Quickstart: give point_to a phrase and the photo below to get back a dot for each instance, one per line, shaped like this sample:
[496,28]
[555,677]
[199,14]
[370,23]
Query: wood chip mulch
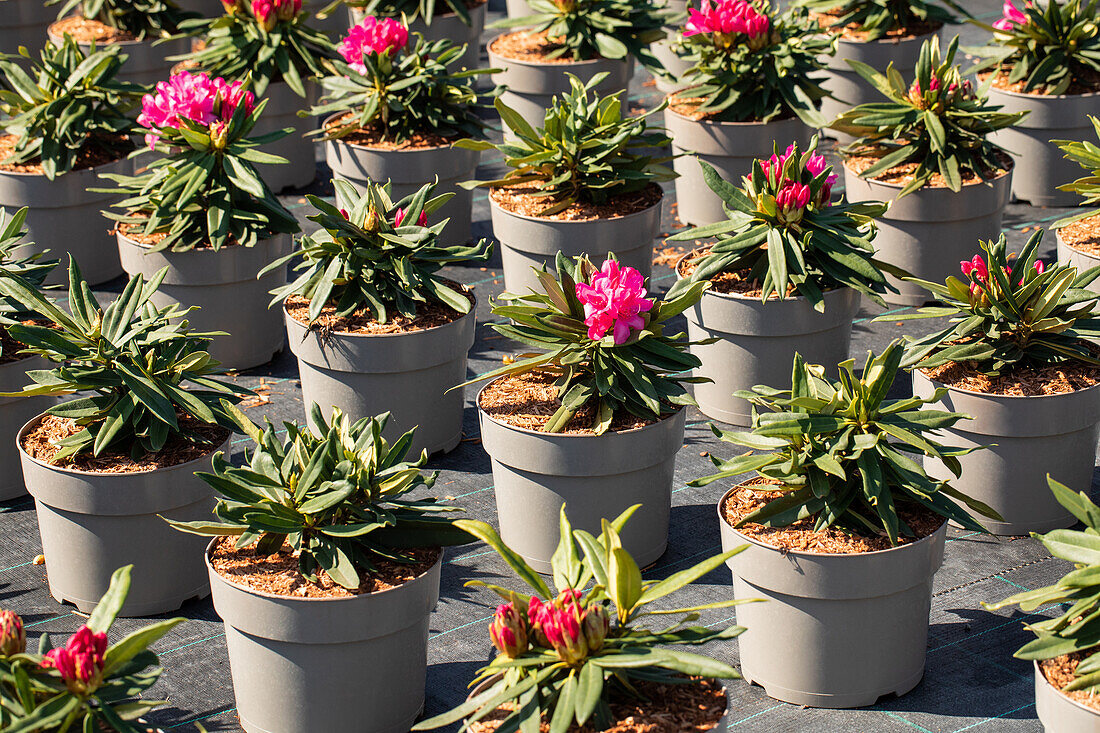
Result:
[374,137]
[428,315]
[730,283]
[1021,381]
[801,537]
[903,174]
[689,107]
[852,32]
[278,574]
[518,199]
[530,47]
[1059,673]
[687,708]
[89,157]
[668,256]
[1083,235]
[1087,83]
[86,31]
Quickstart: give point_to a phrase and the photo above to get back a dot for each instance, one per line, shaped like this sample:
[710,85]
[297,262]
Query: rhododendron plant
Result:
[875,19]
[1086,154]
[80,661]
[614,302]
[30,268]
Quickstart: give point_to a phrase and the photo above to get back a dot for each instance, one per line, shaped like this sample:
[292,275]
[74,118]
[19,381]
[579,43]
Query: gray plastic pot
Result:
[65,219]
[1060,714]
[451,27]
[1028,438]
[147,63]
[224,286]
[836,631]
[305,665]
[518,9]
[24,24]
[282,111]
[664,52]
[728,146]
[931,230]
[14,414]
[757,342]
[407,171]
[405,374]
[596,476]
[528,242]
[1041,167]
[1074,257]
[94,523]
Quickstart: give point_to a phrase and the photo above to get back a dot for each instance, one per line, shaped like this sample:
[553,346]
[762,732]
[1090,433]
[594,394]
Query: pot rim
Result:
[209,250]
[803,553]
[647,210]
[740,297]
[540,65]
[78,472]
[90,169]
[1003,396]
[343,334]
[338,141]
[359,597]
[723,123]
[1064,697]
[995,180]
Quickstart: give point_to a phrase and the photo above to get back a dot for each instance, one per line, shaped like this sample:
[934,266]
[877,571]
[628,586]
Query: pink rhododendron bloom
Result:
[975,267]
[1012,17]
[614,302]
[793,196]
[815,165]
[399,216]
[80,661]
[727,18]
[562,628]
[264,10]
[372,35]
[508,631]
[194,97]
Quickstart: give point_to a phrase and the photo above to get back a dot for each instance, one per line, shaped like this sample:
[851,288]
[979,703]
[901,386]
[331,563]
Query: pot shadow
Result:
[447,682]
[459,569]
[6,595]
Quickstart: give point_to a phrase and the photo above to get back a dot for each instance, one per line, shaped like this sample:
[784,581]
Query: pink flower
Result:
[815,166]
[264,10]
[1012,17]
[80,661]
[399,216]
[508,631]
[793,196]
[614,302]
[562,628]
[194,97]
[726,18]
[975,267]
[13,637]
[383,36]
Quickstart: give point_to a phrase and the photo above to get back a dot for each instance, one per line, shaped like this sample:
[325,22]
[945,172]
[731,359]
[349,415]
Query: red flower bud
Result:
[13,638]
[80,661]
[596,625]
[508,631]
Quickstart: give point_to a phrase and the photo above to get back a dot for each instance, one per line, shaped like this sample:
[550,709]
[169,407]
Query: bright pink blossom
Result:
[80,661]
[372,35]
[815,165]
[194,97]
[399,216]
[793,196]
[614,302]
[265,10]
[1012,17]
[727,17]
[975,267]
[562,627]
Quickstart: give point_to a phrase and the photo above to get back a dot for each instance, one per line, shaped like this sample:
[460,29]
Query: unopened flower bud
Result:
[289,9]
[231,6]
[219,135]
[508,631]
[13,638]
[596,626]
[371,222]
[563,630]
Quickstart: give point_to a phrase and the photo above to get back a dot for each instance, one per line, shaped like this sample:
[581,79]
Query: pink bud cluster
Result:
[978,273]
[13,637]
[795,194]
[936,98]
[1011,17]
[725,20]
[399,216]
[614,301]
[382,36]
[270,12]
[561,624]
[194,97]
[80,661]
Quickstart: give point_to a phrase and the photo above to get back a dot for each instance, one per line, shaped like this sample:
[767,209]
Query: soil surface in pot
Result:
[1086,83]
[903,174]
[853,32]
[86,31]
[1083,235]
[278,573]
[38,443]
[1059,673]
[689,107]
[89,157]
[528,401]
[693,707]
[736,283]
[428,315]
[535,48]
[801,537]
[373,136]
[521,200]
[131,231]
[1021,381]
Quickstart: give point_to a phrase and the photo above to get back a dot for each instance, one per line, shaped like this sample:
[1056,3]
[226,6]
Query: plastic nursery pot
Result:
[1058,712]
[757,341]
[282,111]
[146,63]
[451,27]
[303,665]
[518,9]
[928,232]
[65,218]
[728,146]
[93,523]
[407,169]
[405,374]
[596,476]
[528,242]
[224,286]
[25,24]
[14,413]
[1028,437]
[837,630]
[663,50]
[1072,256]
[1041,167]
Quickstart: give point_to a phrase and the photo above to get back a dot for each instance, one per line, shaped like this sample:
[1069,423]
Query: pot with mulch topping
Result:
[25,24]
[728,146]
[281,112]
[596,477]
[1032,424]
[97,514]
[15,412]
[224,286]
[451,27]
[307,661]
[1057,711]
[625,226]
[846,618]
[401,367]
[147,60]
[928,232]
[1079,243]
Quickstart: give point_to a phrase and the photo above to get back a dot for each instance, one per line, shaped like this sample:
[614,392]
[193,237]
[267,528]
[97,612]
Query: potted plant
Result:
[458,21]
[1064,650]
[927,151]
[751,83]
[269,42]
[25,24]
[103,466]
[86,684]
[582,38]
[845,532]
[57,138]
[1044,60]
[15,411]
[1079,235]
[201,210]
[326,572]
[374,325]
[559,658]
[585,183]
[142,29]
[595,419]
[1016,356]
[787,269]
[392,112]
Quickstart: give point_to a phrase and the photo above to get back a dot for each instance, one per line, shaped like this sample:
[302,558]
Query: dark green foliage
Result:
[1087,155]
[424,10]
[146,19]
[32,269]
[876,18]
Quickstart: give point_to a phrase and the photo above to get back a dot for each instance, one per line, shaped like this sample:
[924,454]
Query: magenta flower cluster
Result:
[1011,17]
[614,301]
[80,661]
[726,19]
[269,12]
[195,97]
[561,624]
[382,36]
[399,216]
[792,196]
[978,273]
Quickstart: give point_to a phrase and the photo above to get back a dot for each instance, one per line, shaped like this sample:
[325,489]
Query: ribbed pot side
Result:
[728,146]
[451,27]
[596,477]
[25,24]
[928,232]
[835,631]
[1027,438]
[66,219]
[528,242]
[408,170]
[304,665]
[1041,166]
[94,523]
[14,414]
[1060,714]
[281,112]
[757,342]
[405,374]
[147,62]
[1074,257]
[224,286]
